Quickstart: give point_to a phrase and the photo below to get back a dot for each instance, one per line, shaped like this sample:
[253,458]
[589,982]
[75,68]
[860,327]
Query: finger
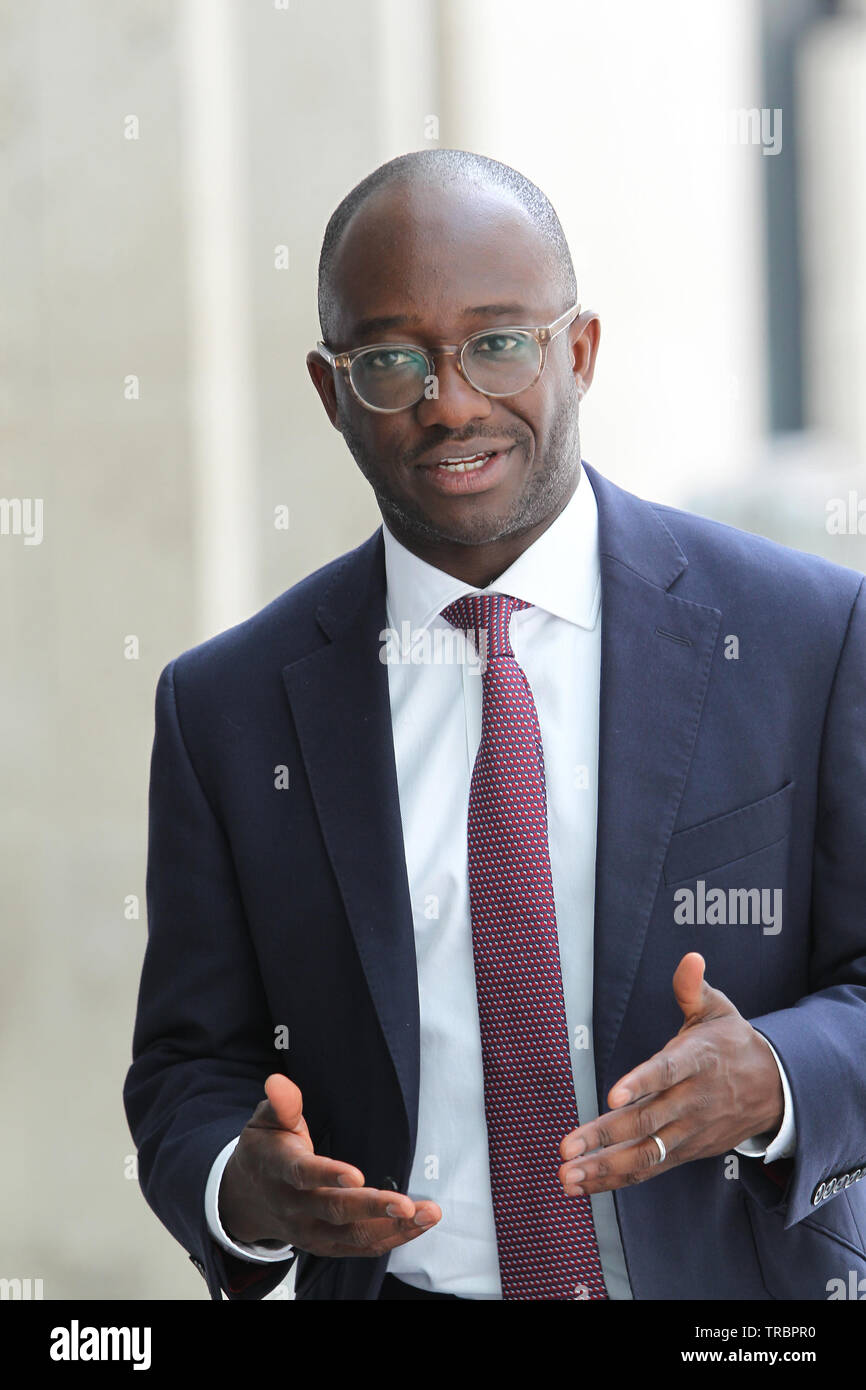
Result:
[678,1060]
[626,1164]
[337,1207]
[688,982]
[643,1117]
[304,1170]
[286,1116]
[377,1237]
[286,1100]
[696,998]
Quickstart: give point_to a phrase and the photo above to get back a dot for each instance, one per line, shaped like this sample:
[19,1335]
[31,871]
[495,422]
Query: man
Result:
[518,855]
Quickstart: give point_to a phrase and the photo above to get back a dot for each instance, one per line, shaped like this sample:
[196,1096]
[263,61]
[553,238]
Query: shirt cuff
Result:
[259,1253]
[785,1142]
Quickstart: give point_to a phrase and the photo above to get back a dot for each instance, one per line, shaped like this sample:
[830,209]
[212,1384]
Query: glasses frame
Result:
[543,335]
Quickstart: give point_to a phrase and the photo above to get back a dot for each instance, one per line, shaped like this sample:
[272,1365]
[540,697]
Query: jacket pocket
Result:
[816,1259]
[734,835]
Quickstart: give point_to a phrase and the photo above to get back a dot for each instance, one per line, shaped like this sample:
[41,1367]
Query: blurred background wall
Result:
[168,167]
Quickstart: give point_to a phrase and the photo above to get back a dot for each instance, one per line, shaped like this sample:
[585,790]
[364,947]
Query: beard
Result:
[545,494]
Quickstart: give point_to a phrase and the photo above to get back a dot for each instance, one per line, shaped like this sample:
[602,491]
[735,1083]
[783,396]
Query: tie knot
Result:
[488,613]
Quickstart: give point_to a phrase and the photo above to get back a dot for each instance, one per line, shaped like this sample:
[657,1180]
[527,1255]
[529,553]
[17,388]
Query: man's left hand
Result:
[712,1086]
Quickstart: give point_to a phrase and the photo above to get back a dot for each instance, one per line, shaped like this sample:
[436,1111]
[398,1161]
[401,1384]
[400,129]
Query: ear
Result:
[583,337]
[323,379]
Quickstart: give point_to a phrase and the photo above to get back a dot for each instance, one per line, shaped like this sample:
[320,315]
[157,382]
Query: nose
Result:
[456,402]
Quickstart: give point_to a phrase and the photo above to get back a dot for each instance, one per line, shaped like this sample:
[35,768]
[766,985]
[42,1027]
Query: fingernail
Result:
[423,1218]
[575,1148]
[391,1210]
[578,1175]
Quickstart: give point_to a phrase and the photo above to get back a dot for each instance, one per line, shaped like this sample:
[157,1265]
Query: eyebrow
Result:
[385,322]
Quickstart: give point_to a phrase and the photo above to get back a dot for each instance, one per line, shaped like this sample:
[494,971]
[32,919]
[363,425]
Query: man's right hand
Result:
[275,1187]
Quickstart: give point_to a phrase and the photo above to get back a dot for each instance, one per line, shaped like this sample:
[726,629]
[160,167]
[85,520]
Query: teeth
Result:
[465,465]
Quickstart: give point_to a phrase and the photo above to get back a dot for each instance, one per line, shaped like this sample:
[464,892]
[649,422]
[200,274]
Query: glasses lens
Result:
[502,363]
[389,378]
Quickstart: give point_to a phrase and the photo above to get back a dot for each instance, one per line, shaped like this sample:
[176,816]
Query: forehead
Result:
[431,252]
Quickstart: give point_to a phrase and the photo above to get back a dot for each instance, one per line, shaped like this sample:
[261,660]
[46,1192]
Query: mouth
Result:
[465,465]
[460,473]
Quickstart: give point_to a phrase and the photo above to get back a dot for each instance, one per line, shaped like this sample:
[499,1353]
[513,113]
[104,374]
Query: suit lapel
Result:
[656,650]
[655,663]
[340,703]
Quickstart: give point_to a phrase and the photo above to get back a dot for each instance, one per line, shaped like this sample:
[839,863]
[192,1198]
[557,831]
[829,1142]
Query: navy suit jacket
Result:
[270,906]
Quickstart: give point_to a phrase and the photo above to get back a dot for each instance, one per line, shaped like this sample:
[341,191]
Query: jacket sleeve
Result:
[200,1050]
[821,1040]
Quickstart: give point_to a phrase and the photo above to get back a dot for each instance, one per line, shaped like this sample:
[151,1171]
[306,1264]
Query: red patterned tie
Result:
[546,1239]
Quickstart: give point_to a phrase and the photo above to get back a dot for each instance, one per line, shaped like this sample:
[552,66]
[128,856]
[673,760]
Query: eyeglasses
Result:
[387,377]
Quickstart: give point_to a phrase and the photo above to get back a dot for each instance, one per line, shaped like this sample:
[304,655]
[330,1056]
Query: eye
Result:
[497,344]
[387,359]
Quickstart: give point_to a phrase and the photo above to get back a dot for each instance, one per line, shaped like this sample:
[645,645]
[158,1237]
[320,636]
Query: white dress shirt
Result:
[435,689]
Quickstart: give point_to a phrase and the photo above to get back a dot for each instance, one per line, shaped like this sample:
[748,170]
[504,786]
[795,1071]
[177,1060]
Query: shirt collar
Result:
[559,572]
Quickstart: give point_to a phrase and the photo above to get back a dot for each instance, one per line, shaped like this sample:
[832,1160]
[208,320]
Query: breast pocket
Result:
[725,839]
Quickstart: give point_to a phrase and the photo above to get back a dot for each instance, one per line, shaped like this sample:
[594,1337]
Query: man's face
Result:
[426,265]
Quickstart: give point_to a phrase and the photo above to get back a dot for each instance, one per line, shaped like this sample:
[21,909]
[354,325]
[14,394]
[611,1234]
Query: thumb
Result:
[286,1101]
[695,997]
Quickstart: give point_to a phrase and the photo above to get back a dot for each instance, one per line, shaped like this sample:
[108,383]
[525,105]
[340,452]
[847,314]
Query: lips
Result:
[458,474]
[465,465]
[464,459]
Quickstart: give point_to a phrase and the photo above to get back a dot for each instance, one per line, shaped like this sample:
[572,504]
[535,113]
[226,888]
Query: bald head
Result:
[412,180]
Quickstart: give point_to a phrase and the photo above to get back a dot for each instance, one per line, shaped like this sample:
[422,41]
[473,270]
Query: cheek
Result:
[531,428]
[373,433]
[549,406]
[537,411]
[389,442]
[384,445]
